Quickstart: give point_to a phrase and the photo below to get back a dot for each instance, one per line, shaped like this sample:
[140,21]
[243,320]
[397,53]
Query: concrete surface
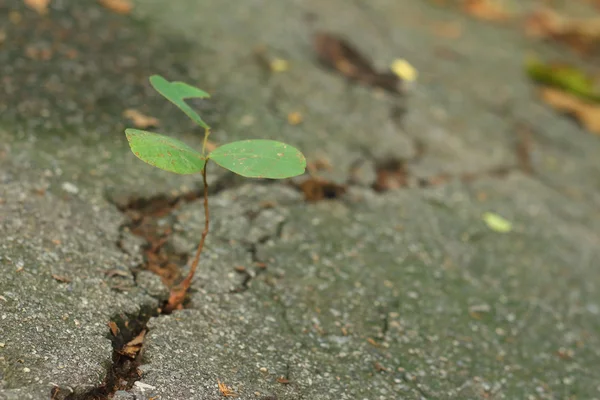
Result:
[399,295]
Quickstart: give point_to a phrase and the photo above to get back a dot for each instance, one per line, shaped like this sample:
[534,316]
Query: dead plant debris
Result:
[114,329]
[225,390]
[61,278]
[487,10]
[316,189]
[133,347]
[585,112]
[283,380]
[140,120]
[581,34]
[335,52]
[118,6]
[40,6]
[391,175]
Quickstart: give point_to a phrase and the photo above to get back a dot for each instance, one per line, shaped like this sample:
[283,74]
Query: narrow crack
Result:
[261,265]
[126,335]
[127,332]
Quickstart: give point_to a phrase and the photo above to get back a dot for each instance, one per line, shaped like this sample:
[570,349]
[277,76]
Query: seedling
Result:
[254,158]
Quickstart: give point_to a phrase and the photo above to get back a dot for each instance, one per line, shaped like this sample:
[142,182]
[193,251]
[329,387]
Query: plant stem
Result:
[178,293]
[206,134]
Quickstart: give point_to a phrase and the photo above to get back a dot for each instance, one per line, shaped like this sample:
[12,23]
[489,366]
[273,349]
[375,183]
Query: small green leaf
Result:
[260,159]
[497,223]
[562,76]
[165,152]
[177,92]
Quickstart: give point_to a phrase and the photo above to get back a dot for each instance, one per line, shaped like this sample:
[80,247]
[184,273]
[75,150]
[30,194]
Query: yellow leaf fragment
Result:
[294,118]
[497,223]
[404,70]
[279,65]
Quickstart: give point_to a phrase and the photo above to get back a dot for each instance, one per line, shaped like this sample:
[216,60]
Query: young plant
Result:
[254,158]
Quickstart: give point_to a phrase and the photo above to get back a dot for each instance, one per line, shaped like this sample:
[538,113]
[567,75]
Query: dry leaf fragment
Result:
[294,118]
[279,65]
[391,175]
[338,54]
[118,6]
[133,347]
[225,390]
[114,329]
[60,278]
[581,33]
[379,367]
[139,119]
[587,113]
[488,10]
[283,380]
[316,189]
[41,6]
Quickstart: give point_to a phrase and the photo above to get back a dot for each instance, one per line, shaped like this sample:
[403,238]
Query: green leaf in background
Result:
[260,159]
[497,223]
[165,152]
[177,92]
[565,77]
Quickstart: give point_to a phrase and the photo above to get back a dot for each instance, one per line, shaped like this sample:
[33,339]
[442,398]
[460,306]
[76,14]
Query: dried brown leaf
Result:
[316,189]
[40,6]
[580,33]
[587,113]
[139,119]
[225,390]
[117,6]
[338,54]
[114,329]
[60,278]
[133,347]
[391,175]
[487,10]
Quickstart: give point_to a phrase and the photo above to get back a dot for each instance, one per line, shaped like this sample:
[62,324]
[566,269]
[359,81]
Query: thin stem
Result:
[188,279]
[178,293]
[206,134]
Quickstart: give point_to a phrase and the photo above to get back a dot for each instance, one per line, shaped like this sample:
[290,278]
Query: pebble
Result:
[70,188]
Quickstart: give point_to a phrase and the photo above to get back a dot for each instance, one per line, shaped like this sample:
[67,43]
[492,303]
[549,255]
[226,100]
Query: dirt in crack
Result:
[151,219]
[127,336]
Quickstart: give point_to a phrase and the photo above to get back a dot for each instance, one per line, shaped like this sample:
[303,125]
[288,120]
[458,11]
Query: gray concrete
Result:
[402,295]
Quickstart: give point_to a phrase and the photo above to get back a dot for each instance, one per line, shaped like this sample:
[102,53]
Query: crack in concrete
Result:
[123,371]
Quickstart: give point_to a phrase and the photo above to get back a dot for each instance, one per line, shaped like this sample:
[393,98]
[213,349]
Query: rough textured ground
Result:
[405,294]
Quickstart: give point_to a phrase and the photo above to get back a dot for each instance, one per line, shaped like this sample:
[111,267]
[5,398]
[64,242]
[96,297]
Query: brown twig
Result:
[178,292]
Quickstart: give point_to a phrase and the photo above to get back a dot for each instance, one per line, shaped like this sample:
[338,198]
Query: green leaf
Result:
[497,223]
[562,76]
[260,159]
[177,92]
[165,152]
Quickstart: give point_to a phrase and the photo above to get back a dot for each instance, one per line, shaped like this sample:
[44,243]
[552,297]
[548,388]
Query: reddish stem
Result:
[178,292]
